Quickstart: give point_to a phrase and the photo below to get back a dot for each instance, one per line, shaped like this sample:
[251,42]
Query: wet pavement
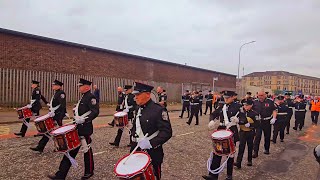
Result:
[186,154]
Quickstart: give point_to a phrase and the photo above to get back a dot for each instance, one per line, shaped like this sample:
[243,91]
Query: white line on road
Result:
[97,153]
[184,134]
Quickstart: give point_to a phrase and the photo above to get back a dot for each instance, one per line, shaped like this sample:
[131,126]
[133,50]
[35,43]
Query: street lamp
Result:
[213,80]
[239,56]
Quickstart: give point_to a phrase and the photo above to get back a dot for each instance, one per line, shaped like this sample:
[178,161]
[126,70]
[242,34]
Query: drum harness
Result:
[228,124]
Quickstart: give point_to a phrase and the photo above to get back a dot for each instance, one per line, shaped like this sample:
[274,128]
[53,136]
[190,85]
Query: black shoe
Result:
[254,155]
[237,164]
[188,123]
[209,177]
[205,113]
[86,176]
[129,145]
[294,128]
[229,177]
[281,140]
[197,124]
[114,144]
[266,152]
[300,129]
[37,149]
[274,142]
[110,124]
[54,177]
[249,163]
[37,135]
[19,134]
[287,133]
[180,117]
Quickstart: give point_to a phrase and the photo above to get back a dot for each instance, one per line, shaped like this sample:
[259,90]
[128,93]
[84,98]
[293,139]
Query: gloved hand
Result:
[247,125]
[144,143]
[51,114]
[273,120]
[234,119]
[48,104]
[29,106]
[79,120]
[126,110]
[213,125]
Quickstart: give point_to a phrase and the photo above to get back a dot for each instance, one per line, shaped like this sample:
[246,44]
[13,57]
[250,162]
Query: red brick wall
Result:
[27,53]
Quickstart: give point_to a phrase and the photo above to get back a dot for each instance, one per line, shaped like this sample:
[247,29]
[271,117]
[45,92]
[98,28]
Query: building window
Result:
[251,83]
[278,82]
[278,87]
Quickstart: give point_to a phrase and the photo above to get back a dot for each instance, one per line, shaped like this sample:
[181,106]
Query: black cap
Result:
[35,82]
[84,82]
[187,90]
[288,93]
[235,94]
[196,92]
[200,91]
[267,92]
[247,101]
[140,87]
[280,97]
[56,82]
[126,87]
[249,93]
[209,90]
[301,96]
[228,93]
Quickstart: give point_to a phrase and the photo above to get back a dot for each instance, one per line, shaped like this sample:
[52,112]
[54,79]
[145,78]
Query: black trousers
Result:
[208,105]
[264,127]
[215,163]
[246,138]
[279,126]
[119,135]
[24,128]
[156,159]
[44,140]
[185,107]
[288,121]
[66,164]
[300,117]
[200,107]
[314,117]
[194,112]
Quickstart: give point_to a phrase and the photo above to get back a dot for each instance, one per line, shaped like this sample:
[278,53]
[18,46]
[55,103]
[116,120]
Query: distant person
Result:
[96,93]
[162,96]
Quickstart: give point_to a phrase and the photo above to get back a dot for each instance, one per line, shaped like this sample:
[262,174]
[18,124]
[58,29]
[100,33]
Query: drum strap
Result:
[219,169]
[139,130]
[76,112]
[126,103]
[71,159]
[32,101]
[225,115]
[53,109]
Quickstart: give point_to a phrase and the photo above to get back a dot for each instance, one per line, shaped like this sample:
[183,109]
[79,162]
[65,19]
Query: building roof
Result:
[42,38]
[279,73]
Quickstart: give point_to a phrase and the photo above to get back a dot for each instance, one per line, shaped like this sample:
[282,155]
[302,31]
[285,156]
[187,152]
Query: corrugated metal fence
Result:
[15,88]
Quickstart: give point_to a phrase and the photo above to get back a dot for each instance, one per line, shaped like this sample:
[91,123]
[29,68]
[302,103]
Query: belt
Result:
[209,99]
[185,100]
[194,103]
[149,137]
[267,118]
[291,107]
[300,110]
[282,113]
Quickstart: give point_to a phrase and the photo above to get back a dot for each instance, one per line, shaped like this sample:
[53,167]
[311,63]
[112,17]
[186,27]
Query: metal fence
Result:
[15,88]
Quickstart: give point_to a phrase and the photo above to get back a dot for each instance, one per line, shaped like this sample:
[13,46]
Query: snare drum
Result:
[121,119]
[45,124]
[223,142]
[137,167]
[66,138]
[24,113]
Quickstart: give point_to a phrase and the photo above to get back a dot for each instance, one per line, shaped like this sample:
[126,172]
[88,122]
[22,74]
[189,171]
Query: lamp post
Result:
[240,54]
[213,80]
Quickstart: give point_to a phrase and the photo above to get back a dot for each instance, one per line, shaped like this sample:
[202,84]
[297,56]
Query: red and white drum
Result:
[45,124]
[66,138]
[24,113]
[137,167]
[223,142]
[121,119]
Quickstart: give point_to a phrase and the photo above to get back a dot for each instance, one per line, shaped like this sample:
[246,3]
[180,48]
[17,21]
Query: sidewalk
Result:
[9,116]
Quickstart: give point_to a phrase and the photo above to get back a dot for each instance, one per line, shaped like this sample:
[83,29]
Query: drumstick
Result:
[134,150]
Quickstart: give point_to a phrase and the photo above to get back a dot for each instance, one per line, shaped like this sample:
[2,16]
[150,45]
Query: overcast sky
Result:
[201,33]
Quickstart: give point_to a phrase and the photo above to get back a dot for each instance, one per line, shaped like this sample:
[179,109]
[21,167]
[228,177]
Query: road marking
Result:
[101,152]
[183,134]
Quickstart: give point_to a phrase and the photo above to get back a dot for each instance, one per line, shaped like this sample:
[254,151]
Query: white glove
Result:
[126,110]
[48,104]
[213,125]
[51,114]
[273,120]
[29,106]
[234,119]
[144,143]
[79,120]
[247,125]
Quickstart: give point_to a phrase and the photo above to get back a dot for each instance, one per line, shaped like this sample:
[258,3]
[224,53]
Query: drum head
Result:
[154,96]
[137,162]
[42,118]
[221,134]
[63,129]
[120,114]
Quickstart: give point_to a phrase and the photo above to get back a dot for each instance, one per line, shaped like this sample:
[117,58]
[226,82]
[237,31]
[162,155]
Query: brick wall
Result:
[28,53]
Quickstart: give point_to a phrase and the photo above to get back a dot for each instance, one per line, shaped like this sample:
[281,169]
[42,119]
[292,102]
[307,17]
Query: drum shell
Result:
[223,146]
[121,121]
[24,113]
[46,125]
[66,141]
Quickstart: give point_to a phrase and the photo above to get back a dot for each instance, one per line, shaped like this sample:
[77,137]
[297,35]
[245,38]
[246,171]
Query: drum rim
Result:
[48,116]
[64,131]
[124,114]
[226,137]
[136,173]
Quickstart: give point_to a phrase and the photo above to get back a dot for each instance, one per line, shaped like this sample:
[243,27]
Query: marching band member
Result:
[57,108]
[209,98]
[35,106]
[194,106]
[162,96]
[153,119]
[229,117]
[200,103]
[282,117]
[120,104]
[290,104]
[185,103]
[87,110]
[300,112]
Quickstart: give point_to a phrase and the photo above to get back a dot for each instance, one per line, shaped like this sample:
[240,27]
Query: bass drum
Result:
[154,96]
